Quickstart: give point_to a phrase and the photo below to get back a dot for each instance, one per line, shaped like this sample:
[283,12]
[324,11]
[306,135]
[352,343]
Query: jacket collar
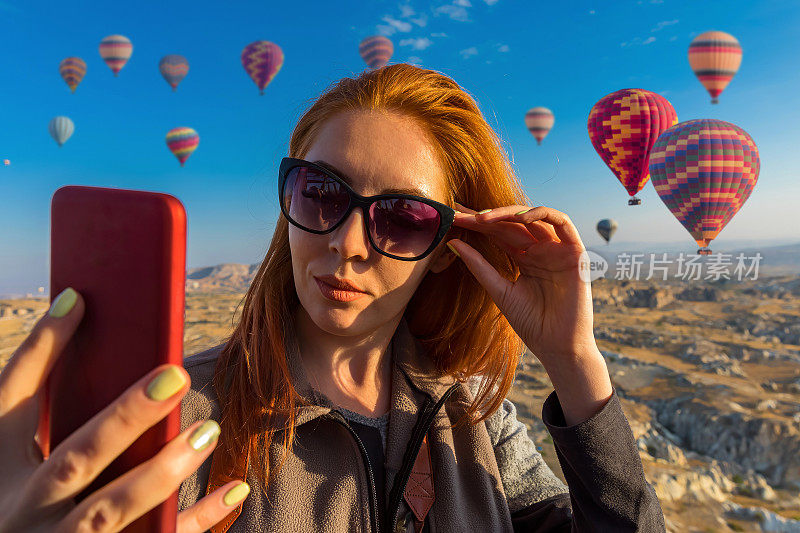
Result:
[414,376]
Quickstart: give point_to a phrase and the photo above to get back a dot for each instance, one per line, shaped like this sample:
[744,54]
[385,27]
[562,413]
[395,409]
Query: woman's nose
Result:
[350,240]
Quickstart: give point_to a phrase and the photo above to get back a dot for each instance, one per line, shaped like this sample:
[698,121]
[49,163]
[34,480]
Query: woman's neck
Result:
[353,372]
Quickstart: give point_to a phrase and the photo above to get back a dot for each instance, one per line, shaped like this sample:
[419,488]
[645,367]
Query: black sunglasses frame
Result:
[446,213]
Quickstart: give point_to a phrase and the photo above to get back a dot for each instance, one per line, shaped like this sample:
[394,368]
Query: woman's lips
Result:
[337,295]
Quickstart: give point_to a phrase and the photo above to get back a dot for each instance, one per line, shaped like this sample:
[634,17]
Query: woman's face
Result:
[373,151]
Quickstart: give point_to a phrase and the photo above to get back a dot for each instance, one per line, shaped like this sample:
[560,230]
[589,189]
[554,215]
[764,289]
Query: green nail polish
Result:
[484,211]
[63,302]
[165,384]
[202,437]
[236,494]
[522,212]
[453,249]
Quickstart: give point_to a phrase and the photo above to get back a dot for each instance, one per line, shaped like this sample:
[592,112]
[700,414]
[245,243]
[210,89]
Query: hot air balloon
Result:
[704,170]
[6,162]
[61,129]
[72,69]
[539,121]
[715,57]
[174,68]
[623,126]
[262,60]
[376,51]
[115,51]
[182,142]
[606,228]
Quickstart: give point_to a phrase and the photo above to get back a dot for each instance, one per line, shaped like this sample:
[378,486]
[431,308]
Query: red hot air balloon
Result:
[539,121]
[182,142]
[704,170]
[72,69]
[115,51]
[715,57]
[376,51]
[262,60]
[623,127]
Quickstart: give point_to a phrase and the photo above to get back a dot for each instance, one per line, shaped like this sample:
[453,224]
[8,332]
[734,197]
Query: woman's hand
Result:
[549,305]
[37,495]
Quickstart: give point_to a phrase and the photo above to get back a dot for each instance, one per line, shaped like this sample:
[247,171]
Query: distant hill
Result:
[234,277]
[777,260]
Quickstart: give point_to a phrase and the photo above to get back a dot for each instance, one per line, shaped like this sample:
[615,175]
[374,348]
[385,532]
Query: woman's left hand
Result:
[549,305]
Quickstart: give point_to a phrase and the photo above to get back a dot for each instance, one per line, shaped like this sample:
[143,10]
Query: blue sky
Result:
[511,55]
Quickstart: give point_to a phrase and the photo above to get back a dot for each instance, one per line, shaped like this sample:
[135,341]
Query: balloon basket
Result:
[704,251]
[634,201]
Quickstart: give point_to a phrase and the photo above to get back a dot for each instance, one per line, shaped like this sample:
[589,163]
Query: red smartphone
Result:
[124,251]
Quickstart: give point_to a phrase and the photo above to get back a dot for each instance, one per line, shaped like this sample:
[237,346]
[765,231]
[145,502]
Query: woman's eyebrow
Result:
[391,190]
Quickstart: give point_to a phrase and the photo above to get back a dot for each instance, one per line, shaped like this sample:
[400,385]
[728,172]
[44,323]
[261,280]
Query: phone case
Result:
[125,252]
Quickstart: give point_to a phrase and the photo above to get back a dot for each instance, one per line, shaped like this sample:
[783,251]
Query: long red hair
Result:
[451,314]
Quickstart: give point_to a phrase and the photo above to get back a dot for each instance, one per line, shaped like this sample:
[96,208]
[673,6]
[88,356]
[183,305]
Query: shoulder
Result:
[502,421]
[200,402]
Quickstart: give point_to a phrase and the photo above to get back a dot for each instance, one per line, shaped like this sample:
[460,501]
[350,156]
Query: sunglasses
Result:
[401,226]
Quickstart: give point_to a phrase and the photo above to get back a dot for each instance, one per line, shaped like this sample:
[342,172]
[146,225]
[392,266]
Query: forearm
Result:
[581,382]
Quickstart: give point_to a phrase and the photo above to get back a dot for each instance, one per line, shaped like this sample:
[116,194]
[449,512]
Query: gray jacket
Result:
[488,477]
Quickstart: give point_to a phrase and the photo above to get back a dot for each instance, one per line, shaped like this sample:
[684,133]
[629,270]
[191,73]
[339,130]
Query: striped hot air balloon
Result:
[262,60]
[715,57]
[115,51]
[623,127]
[376,51]
[182,142]
[61,129]
[174,68]
[539,121]
[606,228]
[704,170]
[72,69]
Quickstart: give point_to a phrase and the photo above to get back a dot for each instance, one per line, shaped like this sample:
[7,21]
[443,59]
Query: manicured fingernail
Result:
[204,435]
[484,211]
[522,212]
[63,302]
[165,384]
[236,494]
[453,249]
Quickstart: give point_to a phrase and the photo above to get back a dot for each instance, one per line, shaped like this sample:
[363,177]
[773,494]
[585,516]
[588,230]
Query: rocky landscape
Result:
[708,374]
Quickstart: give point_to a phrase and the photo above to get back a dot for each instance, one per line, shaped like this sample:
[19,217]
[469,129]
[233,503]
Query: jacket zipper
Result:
[373,498]
[423,424]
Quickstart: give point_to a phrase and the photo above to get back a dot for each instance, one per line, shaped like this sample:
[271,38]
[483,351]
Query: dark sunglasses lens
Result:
[402,227]
[313,199]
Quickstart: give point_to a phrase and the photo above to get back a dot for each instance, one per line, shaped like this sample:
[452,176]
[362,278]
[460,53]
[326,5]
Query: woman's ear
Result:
[444,257]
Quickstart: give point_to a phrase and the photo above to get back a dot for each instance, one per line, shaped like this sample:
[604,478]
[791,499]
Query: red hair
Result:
[451,314]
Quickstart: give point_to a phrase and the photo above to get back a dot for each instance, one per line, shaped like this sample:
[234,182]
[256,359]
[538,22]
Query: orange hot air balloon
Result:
[376,51]
[72,69]
[539,121]
[715,57]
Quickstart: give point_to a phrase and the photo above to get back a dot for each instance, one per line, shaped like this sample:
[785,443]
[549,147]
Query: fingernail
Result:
[165,384]
[236,494]
[63,302]
[204,435]
[453,249]
[484,211]
[523,211]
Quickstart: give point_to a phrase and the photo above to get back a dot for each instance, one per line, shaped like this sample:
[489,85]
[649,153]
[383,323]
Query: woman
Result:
[364,385]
